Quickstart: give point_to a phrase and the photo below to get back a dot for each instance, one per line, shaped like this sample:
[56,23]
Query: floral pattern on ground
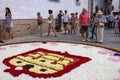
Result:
[43,63]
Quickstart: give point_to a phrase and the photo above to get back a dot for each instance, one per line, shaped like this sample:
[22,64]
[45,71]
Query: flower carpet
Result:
[58,61]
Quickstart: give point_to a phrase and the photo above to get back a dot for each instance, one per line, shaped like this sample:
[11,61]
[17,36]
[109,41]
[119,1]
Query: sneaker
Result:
[1,41]
[83,40]
[87,40]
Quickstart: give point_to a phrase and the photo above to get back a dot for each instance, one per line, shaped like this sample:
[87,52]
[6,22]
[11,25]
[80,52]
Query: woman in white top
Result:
[65,21]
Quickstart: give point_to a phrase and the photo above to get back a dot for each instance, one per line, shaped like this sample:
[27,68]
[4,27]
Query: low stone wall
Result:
[23,27]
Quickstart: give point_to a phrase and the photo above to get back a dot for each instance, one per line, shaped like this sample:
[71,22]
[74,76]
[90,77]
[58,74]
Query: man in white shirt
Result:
[65,21]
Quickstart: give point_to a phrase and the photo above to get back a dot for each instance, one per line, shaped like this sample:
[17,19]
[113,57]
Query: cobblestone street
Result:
[110,39]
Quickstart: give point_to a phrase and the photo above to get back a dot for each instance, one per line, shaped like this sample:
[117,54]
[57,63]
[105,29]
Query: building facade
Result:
[116,4]
[27,9]
[107,6]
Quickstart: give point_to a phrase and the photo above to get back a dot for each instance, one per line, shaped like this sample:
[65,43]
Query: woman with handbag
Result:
[93,26]
[101,20]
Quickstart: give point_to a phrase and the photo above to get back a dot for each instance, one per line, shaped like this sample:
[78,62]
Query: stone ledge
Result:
[23,27]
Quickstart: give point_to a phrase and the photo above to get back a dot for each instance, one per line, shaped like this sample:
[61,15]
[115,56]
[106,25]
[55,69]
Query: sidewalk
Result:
[110,39]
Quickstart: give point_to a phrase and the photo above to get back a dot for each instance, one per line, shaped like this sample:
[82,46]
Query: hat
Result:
[99,12]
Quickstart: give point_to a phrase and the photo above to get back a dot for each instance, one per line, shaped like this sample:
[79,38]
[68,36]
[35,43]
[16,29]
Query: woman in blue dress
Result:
[8,22]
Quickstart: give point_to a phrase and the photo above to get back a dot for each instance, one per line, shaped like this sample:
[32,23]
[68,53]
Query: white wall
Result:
[116,5]
[27,9]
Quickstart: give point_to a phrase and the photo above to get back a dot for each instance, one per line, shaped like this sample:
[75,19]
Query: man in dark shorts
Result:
[84,23]
[1,35]
[59,22]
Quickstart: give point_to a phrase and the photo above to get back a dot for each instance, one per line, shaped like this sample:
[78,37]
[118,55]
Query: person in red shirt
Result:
[84,22]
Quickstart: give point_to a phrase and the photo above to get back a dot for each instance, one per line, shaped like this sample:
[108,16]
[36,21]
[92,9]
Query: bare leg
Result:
[74,29]
[54,32]
[49,29]
[10,34]
[86,35]
[83,34]
[65,27]
[71,30]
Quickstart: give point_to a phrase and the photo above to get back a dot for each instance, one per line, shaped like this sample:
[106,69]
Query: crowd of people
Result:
[97,22]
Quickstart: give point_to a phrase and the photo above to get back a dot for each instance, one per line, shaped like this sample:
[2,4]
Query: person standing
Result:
[84,23]
[76,20]
[111,20]
[72,22]
[51,23]
[39,21]
[65,21]
[8,22]
[59,21]
[100,20]
[93,26]
[116,24]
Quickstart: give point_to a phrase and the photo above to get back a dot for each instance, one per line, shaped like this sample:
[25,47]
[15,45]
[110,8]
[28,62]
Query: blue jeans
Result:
[93,32]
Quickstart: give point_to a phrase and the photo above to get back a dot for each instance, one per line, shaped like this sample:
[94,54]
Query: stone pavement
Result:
[110,39]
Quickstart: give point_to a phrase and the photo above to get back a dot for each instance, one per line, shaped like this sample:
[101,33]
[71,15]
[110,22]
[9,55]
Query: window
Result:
[77,2]
[54,0]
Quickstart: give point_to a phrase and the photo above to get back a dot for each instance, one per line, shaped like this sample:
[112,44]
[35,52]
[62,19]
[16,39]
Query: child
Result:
[93,25]
[72,22]
[39,21]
